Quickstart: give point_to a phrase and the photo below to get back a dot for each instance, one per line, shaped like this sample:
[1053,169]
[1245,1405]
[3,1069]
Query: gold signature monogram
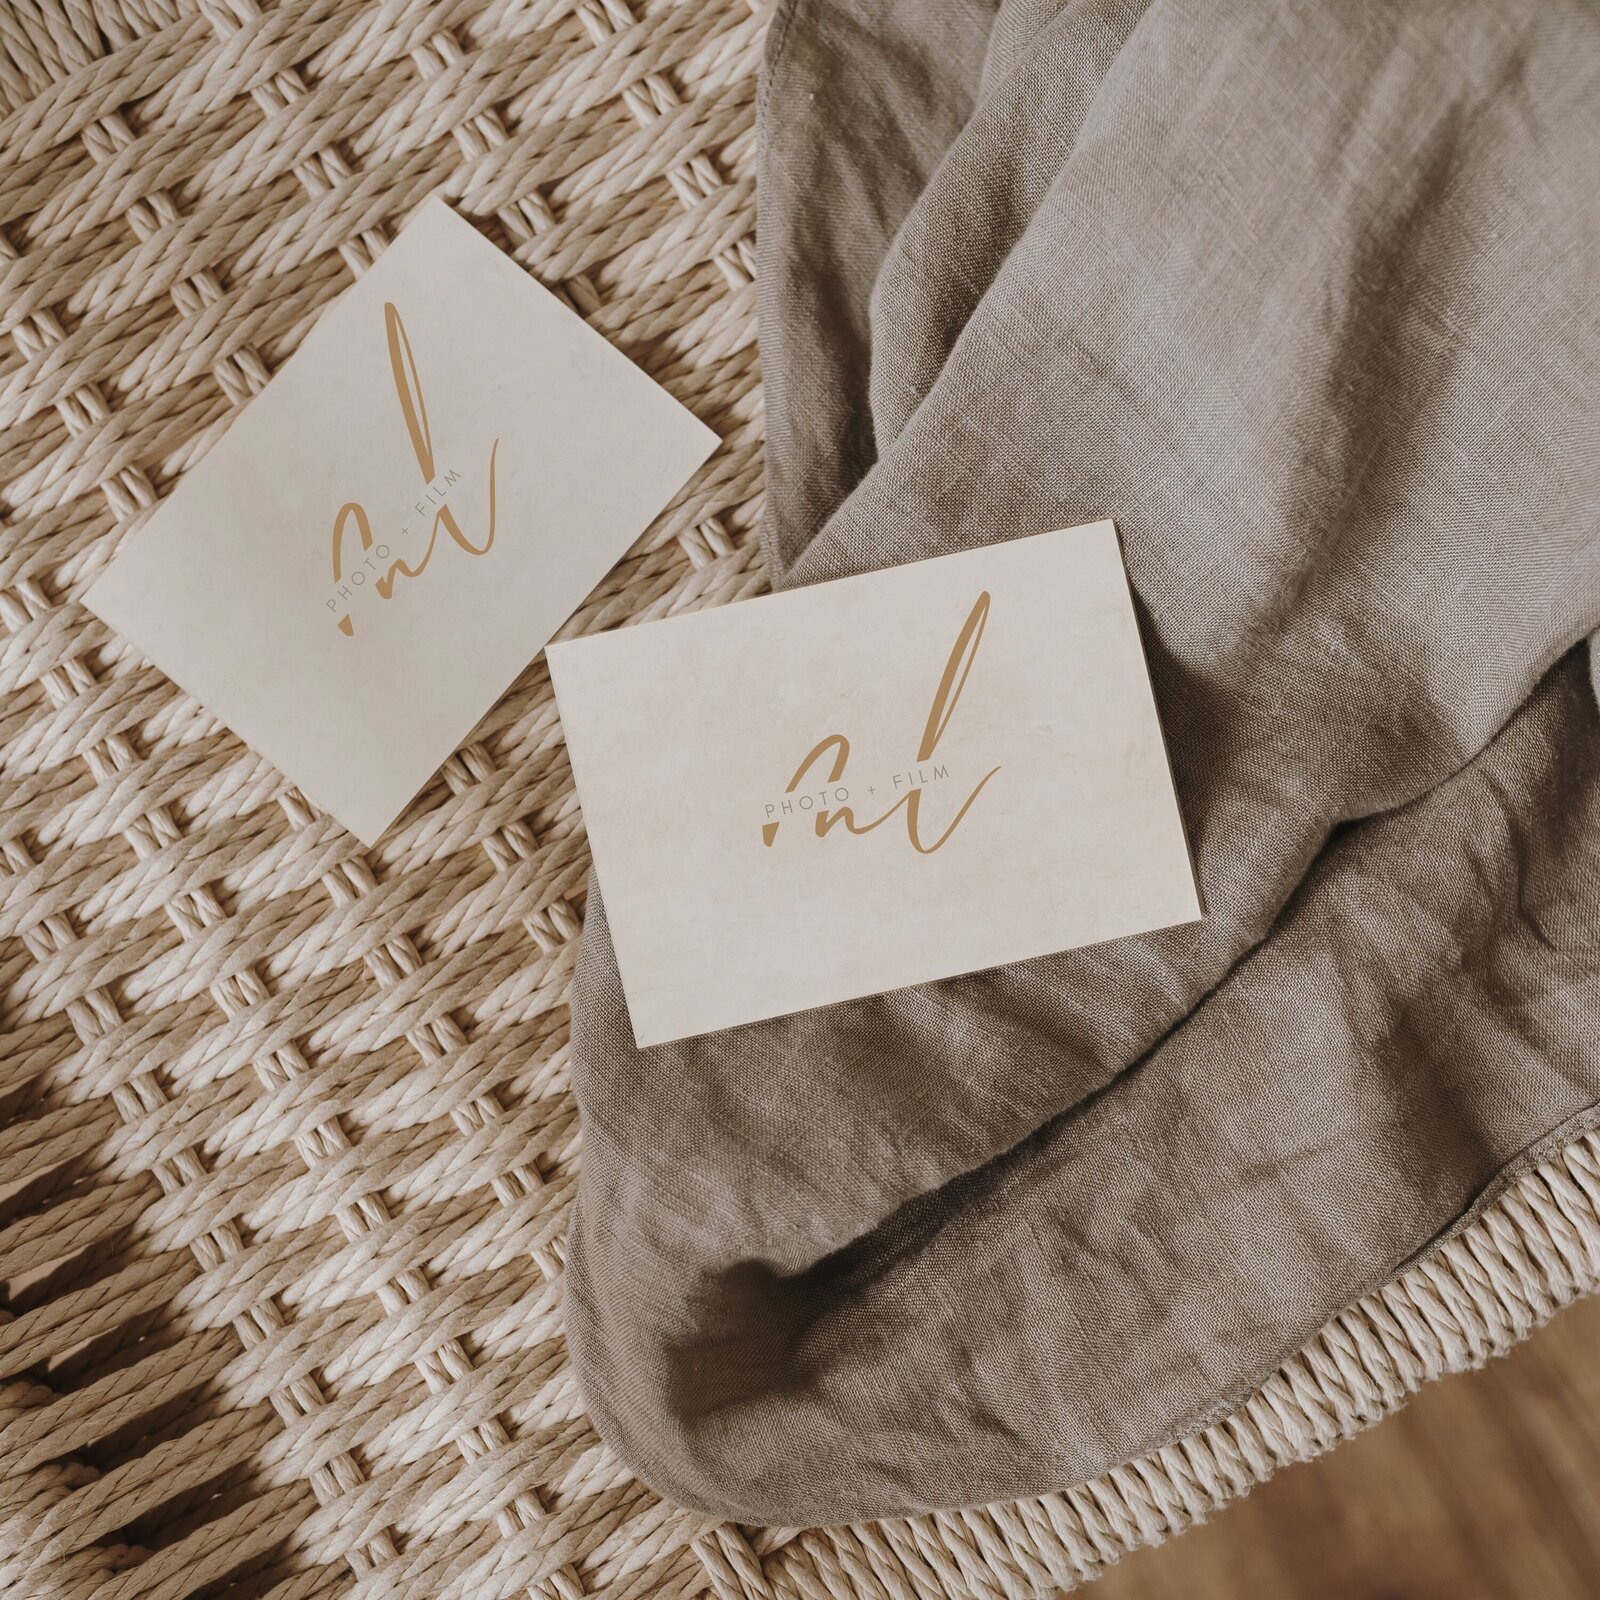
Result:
[408,386]
[945,698]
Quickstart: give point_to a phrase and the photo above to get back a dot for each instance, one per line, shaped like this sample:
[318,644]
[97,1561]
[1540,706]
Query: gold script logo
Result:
[408,387]
[946,696]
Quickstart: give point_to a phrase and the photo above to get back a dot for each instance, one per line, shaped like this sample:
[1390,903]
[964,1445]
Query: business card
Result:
[396,525]
[873,783]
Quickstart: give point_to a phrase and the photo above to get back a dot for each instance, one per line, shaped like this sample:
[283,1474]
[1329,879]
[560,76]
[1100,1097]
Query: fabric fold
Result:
[1298,295]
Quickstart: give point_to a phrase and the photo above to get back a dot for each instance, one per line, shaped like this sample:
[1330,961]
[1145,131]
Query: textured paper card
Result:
[397,524]
[873,783]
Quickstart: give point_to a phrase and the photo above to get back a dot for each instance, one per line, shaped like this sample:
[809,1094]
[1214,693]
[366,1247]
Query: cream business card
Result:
[393,529]
[874,783]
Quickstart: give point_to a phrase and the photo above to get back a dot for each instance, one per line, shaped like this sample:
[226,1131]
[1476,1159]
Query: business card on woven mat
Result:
[399,521]
[873,783]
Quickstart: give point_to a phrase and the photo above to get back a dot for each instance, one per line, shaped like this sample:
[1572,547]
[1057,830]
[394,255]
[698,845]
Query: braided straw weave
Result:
[286,1143]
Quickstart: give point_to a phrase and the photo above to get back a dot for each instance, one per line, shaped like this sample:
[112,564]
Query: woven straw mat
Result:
[288,1145]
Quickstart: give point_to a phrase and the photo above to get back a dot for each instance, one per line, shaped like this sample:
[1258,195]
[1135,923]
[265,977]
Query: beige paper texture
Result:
[872,783]
[397,524]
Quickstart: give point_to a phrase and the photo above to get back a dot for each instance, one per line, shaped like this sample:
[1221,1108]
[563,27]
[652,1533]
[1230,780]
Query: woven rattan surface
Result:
[287,1145]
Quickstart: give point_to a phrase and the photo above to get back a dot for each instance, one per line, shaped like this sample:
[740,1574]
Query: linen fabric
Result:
[1302,296]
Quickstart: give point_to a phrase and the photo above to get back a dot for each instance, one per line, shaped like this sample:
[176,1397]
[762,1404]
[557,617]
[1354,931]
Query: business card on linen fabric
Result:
[872,783]
[400,520]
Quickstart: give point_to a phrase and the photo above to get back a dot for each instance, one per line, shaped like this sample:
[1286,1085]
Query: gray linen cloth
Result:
[1307,298]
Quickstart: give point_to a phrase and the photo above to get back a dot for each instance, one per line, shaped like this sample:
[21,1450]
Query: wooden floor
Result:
[1486,1487]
